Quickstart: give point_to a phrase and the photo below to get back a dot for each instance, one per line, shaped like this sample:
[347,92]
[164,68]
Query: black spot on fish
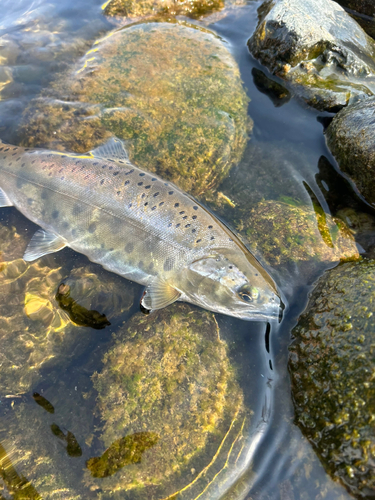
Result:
[55,214]
[63,156]
[143,195]
[44,194]
[115,173]
[153,208]
[10,163]
[156,194]
[165,183]
[140,264]
[118,193]
[1,148]
[92,227]
[102,182]
[198,241]
[103,166]
[65,225]
[130,205]
[96,163]
[18,159]
[62,178]
[110,168]
[154,179]
[140,183]
[130,171]
[7,149]
[161,203]
[194,217]
[212,237]
[33,162]
[188,225]
[146,203]
[30,201]
[230,239]
[14,154]
[182,212]
[176,205]
[209,227]
[170,192]
[193,230]
[195,207]
[178,225]
[148,187]
[170,224]
[184,217]
[141,175]
[168,264]
[126,183]
[129,247]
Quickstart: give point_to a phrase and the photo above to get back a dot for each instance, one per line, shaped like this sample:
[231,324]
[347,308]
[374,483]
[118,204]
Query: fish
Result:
[137,225]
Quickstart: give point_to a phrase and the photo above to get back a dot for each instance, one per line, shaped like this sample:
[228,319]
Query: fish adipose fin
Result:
[4,200]
[111,150]
[158,295]
[43,243]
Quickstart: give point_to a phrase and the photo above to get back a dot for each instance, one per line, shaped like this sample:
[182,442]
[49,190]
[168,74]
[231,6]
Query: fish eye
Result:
[248,293]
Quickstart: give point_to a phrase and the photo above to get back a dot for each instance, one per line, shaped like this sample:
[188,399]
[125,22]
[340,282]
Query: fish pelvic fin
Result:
[159,295]
[42,243]
[111,150]
[4,200]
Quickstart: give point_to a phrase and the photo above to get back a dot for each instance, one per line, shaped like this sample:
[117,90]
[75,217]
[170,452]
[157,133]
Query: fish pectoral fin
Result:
[4,200]
[112,150]
[158,295]
[43,243]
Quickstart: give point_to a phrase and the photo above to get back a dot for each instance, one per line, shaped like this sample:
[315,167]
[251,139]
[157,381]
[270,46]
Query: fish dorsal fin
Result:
[4,200]
[42,243]
[159,294]
[112,150]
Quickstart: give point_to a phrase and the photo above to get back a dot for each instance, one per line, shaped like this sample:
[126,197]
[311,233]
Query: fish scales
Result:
[130,221]
[104,208]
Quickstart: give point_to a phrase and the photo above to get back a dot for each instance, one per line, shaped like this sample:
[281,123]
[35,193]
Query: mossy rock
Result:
[286,233]
[171,91]
[171,407]
[331,362]
[136,9]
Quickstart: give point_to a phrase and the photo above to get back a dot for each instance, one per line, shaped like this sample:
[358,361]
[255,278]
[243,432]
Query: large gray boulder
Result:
[350,137]
[315,46]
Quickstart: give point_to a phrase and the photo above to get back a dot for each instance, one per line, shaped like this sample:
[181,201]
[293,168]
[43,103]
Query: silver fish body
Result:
[137,225]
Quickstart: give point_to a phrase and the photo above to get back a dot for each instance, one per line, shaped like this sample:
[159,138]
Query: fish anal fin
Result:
[111,150]
[4,200]
[159,294]
[42,243]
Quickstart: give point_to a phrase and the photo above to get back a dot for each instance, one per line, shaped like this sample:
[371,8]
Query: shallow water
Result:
[40,39]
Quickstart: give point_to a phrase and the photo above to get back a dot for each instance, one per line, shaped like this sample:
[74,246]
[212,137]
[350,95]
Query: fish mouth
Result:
[268,311]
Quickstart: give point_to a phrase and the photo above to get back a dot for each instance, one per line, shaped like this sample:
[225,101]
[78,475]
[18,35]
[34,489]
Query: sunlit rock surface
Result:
[287,234]
[350,137]
[135,9]
[171,408]
[34,331]
[332,370]
[315,46]
[182,110]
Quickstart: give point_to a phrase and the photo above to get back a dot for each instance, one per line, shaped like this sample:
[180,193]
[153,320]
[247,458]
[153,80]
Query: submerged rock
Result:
[171,91]
[135,9]
[286,234]
[366,7]
[170,404]
[332,369]
[315,46]
[350,137]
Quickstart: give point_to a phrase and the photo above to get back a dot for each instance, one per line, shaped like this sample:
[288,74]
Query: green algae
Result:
[169,374]
[182,109]
[332,369]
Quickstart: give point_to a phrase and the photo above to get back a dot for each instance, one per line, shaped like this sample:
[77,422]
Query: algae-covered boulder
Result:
[162,8]
[315,46]
[171,91]
[350,137]
[171,408]
[332,362]
[286,233]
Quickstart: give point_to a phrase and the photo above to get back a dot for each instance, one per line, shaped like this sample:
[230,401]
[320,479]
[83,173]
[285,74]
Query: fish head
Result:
[232,282]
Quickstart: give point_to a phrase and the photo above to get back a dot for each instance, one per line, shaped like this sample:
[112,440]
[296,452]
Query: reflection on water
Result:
[98,400]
